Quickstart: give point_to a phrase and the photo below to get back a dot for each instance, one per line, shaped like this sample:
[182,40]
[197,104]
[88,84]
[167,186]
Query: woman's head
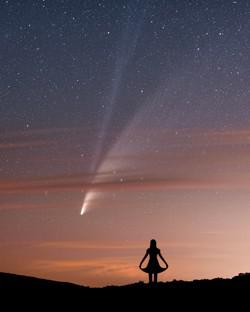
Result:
[153,243]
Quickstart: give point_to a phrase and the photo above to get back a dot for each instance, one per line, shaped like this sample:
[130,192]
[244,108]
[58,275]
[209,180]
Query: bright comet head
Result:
[83,210]
[86,202]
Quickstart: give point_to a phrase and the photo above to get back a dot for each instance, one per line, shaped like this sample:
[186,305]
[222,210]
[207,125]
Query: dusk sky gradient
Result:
[137,111]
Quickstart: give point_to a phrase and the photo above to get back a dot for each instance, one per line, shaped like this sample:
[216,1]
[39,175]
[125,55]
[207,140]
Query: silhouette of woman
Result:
[153,267]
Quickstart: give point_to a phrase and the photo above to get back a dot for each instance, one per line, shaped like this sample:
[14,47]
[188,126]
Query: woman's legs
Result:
[155,277]
[150,277]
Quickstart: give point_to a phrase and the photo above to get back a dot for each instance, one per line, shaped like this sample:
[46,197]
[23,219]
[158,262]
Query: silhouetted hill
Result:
[9,281]
[13,282]
[178,293]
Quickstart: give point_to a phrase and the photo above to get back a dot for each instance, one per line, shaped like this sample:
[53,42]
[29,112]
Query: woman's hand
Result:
[143,259]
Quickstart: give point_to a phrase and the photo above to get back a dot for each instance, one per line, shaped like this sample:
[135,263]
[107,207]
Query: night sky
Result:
[123,121]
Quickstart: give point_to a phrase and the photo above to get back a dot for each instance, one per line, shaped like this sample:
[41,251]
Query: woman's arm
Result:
[163,259]
[143,259]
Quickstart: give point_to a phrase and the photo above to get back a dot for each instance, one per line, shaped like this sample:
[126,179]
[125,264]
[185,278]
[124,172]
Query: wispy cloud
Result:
[124,266]
[130,246]
[75,183]
[27,144]
[90,245]
[24,205]
[146,174]
[30,132]
[36,137]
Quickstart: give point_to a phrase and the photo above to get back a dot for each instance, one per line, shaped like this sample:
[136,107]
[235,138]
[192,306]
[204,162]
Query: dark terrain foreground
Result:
[29,292]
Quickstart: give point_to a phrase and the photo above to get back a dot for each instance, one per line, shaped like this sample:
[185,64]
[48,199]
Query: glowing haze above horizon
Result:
[123,121]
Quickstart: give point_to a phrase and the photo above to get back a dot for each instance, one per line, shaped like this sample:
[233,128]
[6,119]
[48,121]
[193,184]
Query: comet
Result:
[83,210]
[127,50]
[90,195]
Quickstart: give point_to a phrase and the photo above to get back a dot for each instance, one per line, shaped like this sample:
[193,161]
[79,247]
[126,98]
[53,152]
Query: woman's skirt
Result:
[153,267]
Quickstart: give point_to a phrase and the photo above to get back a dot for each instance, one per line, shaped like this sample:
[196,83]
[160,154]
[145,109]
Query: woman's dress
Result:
[153,265]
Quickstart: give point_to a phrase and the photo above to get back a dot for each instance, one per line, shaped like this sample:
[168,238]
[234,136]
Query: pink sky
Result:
[195,202]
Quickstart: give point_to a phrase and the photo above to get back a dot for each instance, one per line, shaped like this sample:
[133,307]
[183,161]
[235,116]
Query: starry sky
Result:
[123,121]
